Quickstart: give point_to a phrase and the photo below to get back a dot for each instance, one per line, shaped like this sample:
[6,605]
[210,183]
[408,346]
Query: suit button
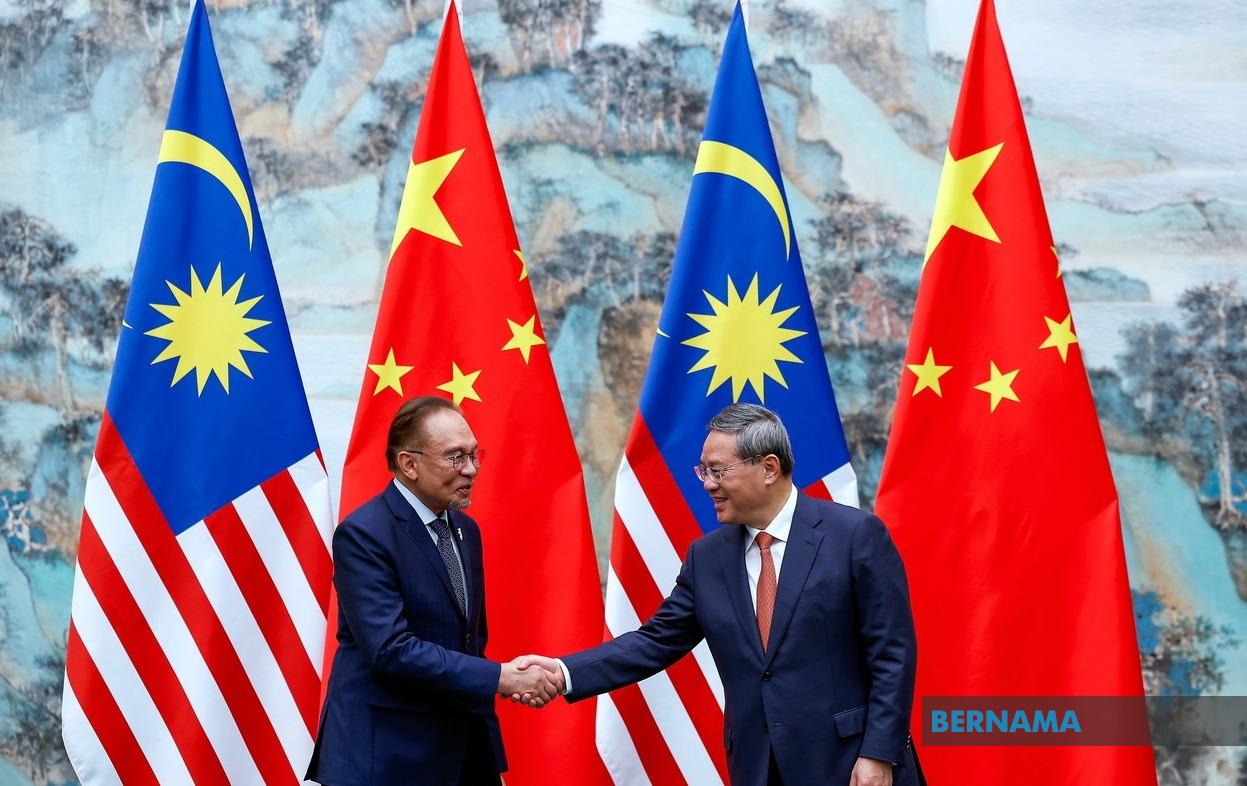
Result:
[467,642]
[766,676]
[764,728]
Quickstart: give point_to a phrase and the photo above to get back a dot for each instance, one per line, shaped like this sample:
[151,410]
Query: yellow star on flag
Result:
[419,210]
[1059,271]
[524,337]
[955,205]
[389,374]
[999,386]
[460,385]
[1060,335]
[523,265]
[928,374]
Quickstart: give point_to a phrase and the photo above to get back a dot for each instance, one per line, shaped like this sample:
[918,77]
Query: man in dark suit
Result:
[805,607]
[411,695]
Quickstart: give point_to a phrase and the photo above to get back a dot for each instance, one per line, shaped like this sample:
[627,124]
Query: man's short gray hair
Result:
[759,432]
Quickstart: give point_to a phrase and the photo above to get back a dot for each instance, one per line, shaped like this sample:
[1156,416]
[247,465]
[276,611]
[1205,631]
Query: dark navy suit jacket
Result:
[410,698]
[837,679]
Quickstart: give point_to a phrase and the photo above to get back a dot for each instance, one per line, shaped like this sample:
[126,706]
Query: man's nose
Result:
[469,469]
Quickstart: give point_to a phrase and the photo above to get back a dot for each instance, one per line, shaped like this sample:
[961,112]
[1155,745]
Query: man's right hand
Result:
[533,686]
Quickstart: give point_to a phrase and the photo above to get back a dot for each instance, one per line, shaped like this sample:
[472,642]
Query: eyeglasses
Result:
[456,461]
[715,474]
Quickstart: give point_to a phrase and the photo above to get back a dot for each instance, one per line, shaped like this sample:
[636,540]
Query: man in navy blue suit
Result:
[411,695]
[805,607]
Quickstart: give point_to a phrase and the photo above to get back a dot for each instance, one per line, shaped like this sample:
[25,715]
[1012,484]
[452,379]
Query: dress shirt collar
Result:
[422,510]
[780,525]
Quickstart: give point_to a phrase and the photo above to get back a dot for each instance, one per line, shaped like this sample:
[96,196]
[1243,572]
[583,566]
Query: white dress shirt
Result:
[779,528]
[427,517]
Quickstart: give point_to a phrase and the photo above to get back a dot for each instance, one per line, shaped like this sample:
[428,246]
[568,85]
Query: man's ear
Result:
[770,468]
[407,466]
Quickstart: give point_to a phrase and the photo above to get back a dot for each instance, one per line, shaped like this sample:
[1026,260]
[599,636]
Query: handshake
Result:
[533,680]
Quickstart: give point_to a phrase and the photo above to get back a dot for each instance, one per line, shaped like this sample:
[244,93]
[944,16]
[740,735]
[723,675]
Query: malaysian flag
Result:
[737,325]
[198,617]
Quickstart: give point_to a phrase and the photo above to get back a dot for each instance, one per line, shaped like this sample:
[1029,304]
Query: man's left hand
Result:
[871,772]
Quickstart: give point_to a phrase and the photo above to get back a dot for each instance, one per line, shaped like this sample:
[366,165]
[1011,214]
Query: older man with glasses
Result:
[805,607]
[411,695]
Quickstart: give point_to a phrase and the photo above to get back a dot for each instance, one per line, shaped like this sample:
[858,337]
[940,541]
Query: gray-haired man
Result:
[806,610]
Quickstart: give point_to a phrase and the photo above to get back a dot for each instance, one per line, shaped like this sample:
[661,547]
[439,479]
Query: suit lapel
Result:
[416,532]
[732,561]
[799,553]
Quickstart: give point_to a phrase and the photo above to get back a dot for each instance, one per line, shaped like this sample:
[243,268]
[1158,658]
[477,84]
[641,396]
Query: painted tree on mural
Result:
[1182,655]
[860,248]
[861,272]
[601,270]
[1152,351]
[642,100]
[53,307]
[549,32]
[24,39]
[1191,381]
[1214,367]
[36,721]
[301,56]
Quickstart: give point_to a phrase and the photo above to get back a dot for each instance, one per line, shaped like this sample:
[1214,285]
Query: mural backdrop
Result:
[1135,110]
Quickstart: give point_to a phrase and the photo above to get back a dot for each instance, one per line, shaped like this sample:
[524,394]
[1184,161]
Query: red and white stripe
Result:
[196,659]
[668,729]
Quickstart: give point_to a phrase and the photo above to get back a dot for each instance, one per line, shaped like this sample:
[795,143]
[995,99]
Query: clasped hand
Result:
[532,680]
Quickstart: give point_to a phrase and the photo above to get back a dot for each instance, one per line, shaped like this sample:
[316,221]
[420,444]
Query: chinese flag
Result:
[458,319]
[996,484]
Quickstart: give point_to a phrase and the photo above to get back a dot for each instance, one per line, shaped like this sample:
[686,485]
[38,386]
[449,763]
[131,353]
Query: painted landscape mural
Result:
[1135,111]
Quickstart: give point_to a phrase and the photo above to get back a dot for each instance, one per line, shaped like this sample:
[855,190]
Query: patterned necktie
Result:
[766,587]
[447,549]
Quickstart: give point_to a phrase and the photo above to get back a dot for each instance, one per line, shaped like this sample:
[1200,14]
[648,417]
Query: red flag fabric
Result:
[996,483]
[458,319]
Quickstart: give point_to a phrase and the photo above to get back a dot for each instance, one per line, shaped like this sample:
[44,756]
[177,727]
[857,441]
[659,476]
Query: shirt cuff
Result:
[567,677]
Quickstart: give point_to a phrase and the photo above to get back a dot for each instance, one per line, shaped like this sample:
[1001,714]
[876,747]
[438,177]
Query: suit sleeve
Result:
[887,628]
[667,636]
[482,630]
[369,597]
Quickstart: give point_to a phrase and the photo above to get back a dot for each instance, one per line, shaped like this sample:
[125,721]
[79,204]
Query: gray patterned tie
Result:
[447,549]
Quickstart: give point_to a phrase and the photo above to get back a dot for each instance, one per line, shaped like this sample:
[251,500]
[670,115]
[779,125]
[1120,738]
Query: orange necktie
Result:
[766,587]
